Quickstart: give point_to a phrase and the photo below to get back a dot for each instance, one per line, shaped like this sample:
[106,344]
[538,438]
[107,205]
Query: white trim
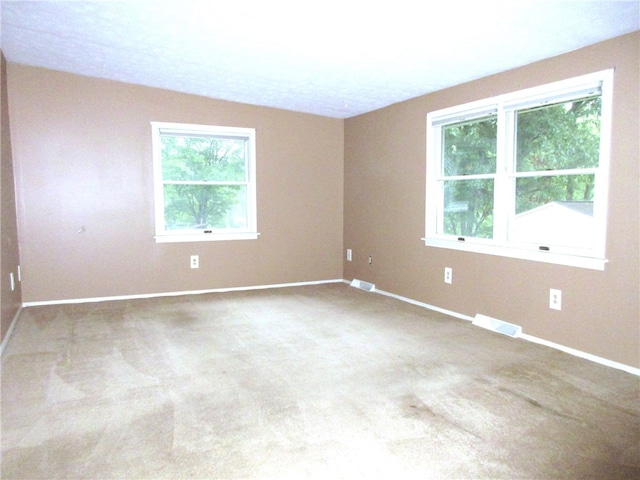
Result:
[523,336]
[10,331]
[182,129]
[478,246]
[593,257]
[206,237]
[581,354]
[530,338]
[426,305]
[175,294]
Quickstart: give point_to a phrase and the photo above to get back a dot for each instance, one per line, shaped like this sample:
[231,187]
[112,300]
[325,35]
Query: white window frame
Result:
[505,107]
[161,234]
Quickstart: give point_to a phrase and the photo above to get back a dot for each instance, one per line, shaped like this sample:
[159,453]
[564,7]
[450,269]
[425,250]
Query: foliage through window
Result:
[524,174]
[204,182]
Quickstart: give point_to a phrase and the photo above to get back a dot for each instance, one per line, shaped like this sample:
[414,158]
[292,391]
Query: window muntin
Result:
[526,177]
[204,182]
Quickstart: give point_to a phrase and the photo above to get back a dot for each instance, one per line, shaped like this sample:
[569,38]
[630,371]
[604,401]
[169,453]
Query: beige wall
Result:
[384,217]
[10,301]
[82,156]
[82,152]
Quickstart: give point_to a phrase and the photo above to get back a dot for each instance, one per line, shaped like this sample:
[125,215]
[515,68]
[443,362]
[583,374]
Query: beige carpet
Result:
[302,383]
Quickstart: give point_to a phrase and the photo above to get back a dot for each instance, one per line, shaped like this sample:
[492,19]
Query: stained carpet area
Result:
[308,382]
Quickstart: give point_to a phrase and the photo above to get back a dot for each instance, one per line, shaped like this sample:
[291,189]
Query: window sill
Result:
[532,255]
[205,237]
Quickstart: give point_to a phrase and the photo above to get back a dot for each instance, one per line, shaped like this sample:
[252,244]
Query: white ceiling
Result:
[332,58]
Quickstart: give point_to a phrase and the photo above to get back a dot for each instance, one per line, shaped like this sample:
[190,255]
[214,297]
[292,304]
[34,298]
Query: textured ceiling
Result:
[333,58]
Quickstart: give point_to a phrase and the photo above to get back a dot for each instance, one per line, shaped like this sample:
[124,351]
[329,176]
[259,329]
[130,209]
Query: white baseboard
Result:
[10,331]
[175,294]
[581,354]
[529,338]
[426,305]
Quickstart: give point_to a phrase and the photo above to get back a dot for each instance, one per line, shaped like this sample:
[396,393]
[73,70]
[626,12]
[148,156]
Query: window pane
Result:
[469,148]
[533,192]
[203,158]
[468,208]
[560,136]
[205,206]
[556,210]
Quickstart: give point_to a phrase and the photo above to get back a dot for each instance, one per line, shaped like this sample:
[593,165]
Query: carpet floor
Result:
[311,382]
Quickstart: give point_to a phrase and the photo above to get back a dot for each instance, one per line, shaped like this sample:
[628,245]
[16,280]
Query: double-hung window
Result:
[523,175]
[205,182]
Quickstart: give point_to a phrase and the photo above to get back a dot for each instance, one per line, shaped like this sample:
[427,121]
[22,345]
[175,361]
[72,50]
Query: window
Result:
[523,175]
[205,186]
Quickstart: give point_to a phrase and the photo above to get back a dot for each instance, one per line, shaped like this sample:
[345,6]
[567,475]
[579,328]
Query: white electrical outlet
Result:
[555,299]
[195,261]
[448,275]
[370,259]
[349,255]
